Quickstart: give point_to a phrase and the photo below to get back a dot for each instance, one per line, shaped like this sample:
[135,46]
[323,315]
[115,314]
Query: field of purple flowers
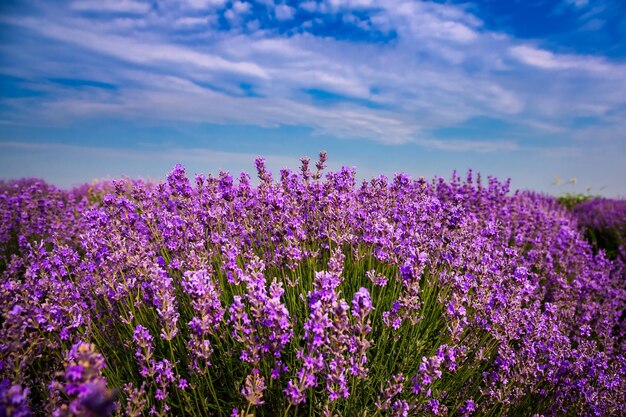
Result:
[603,222]
[307,294]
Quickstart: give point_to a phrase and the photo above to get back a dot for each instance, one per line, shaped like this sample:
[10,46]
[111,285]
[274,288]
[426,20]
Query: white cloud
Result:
[593,25]
[351,4]
[253,25]
[577,3]
[284,12]
[548,60]
[465,145]
[284,48]
[142,52]
[425,21]
[441,69]
[237,12]
[173,99]
[231,15]
[241,7]
[119,6]
[189,22]
[539,58]
[309,6]
[204,4]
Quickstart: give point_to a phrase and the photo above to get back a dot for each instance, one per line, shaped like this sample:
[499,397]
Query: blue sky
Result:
[531,90]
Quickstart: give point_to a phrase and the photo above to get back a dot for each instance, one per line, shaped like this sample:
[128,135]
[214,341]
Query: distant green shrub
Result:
[569,200]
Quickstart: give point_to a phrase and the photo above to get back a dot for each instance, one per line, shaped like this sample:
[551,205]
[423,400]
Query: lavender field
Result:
[308,294]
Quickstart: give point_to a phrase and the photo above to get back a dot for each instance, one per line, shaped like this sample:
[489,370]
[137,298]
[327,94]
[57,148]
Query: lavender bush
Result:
[603,222]
[304,295]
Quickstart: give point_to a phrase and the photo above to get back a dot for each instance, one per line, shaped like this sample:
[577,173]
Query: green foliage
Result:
[569,200]
[609,239]
[394,351]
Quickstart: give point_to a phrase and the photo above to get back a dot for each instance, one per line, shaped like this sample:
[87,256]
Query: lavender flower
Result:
[443,297]
[14,400]
[84,384]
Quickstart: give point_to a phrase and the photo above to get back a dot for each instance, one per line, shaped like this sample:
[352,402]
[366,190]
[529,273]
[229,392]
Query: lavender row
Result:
[308,294]
[603,222]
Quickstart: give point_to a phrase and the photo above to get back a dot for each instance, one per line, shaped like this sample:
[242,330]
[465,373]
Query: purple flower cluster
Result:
[261,324]
[601,213]
[335,348]
[260,321]
[160,372]
[14,400]
[83,385]
[603,221]
[208,313]
[307,293]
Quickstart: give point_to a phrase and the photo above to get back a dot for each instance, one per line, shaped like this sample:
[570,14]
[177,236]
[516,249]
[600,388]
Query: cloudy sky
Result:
[527,89]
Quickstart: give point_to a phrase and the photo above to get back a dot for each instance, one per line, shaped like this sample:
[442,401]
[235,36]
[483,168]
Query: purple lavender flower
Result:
[253,388]
[14,400]
[468,408]
[361,303]
[498,286]
[84,384]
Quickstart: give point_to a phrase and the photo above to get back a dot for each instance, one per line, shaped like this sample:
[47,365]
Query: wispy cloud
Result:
[284,12]
[466,145]
[543,59]
[397,70]
[120,6]
[155,54]
[577,3]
